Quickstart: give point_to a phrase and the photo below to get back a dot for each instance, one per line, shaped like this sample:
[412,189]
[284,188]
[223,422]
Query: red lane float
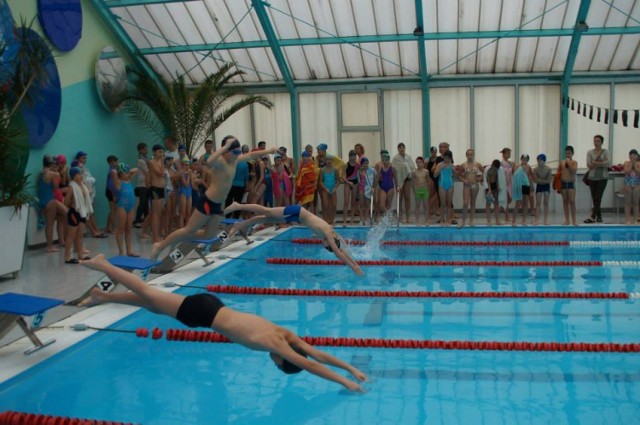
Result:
[607,347]
[221,289]
[312,241]
[20,418]
[316,262]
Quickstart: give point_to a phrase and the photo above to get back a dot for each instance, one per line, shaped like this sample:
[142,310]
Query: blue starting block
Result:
[12,309]
[124,262]
[201,247]
[134,263]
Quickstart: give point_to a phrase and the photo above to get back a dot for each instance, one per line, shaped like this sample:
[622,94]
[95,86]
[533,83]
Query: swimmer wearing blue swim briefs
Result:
[294,214]
[289,352]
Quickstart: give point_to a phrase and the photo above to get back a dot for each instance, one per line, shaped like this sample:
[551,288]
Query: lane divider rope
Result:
[20,418]
[214,337]
[629,264]
[317,262]
[614,244]
[312,241]
[245,290]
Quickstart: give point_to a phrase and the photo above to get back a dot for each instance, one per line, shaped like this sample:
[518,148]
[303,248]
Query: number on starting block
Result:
[37,320]
[105,285]
[223,236]
[176,255]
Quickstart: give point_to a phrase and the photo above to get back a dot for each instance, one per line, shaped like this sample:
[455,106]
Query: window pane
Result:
[450,118]
[540,121]
[494,122]
[359,109]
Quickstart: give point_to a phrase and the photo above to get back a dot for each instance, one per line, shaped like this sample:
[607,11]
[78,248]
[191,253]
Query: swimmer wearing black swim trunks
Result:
[289,352]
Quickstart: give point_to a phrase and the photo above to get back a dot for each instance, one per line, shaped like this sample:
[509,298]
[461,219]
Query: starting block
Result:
[202,247]
[145,265]
[12,309]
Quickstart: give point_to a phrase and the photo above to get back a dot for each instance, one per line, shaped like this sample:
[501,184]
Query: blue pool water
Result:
[120,377]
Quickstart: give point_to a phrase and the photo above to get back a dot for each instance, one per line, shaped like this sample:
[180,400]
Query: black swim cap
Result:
[336,240]
[289,368]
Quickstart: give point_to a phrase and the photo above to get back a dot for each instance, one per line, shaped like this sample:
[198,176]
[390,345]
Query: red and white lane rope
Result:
[246,290]
[318,262]
[213,337]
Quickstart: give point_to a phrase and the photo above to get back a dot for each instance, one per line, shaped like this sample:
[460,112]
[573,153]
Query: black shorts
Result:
[109,195]
[543,187]
[526,190]
[74,218]
[199,311]
[207,207]
[156,192]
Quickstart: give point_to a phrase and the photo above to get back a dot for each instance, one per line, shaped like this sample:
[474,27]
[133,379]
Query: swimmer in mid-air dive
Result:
[294,213]
[288,351]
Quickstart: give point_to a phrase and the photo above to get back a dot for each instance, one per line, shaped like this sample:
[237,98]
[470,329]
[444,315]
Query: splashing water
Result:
[371,249]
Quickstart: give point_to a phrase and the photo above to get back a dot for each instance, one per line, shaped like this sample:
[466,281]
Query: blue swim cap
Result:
[123,168]
[74,171]
[542,157]
[322,147]
[304,154]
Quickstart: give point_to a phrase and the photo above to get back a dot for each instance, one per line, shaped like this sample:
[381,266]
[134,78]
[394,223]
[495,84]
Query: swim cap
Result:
[47,161]
[61,159]
[524,156]
[123,168]
[74,171]
[633,151]
[322,147]
[80,154]
[308,146]
[277,156]
[363,160]
[182,147]
[289,368]
[542,157]
[75,163]
[304,154]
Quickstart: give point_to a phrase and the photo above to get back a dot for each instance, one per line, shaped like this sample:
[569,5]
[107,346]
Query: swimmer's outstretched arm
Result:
[317,367]
[344,257]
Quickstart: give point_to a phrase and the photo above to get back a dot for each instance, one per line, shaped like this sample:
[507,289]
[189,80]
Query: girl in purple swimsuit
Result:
[387,183]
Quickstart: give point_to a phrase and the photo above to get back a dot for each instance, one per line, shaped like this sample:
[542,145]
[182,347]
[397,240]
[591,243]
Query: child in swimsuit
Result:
[542,176]
[420,183]
[125,212]
[184,192]
[387,183]
[445,171]
[631,187]
[471,175]
[366,177]
[492,193]
[568,168]
[327,185]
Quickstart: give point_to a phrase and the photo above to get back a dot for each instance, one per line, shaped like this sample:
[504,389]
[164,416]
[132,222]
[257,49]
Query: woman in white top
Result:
[598,161]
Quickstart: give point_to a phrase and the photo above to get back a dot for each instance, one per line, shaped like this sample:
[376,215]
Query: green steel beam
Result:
[124,3]
[260,7]
[467,80]
[384,38]
[579,29]
[424,78]
[121,35]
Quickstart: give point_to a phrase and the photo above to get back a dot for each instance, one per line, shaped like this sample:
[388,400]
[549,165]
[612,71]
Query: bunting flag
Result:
[627,117]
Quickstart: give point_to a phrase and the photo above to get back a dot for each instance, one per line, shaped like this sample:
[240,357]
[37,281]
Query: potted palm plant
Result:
[22,60]
[190,114]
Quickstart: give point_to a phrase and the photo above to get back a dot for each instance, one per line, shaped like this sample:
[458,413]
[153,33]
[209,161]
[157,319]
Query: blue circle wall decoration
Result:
[61,20]
[42,114]
[8,41]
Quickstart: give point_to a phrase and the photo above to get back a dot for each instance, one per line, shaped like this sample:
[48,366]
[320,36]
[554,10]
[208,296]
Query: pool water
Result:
[115,376]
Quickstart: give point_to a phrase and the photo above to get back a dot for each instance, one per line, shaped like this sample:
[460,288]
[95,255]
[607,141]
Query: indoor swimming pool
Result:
[117,376]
